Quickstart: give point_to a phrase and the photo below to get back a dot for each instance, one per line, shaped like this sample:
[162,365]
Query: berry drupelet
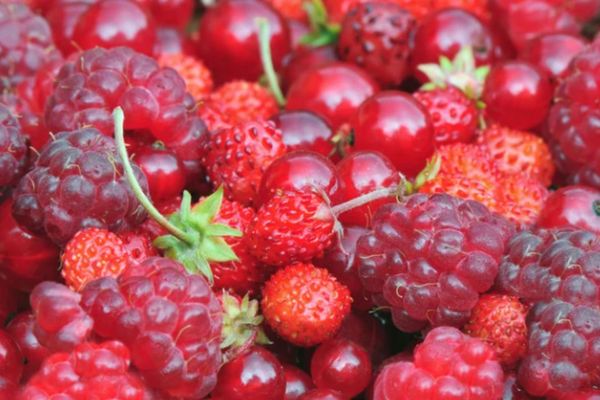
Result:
[13,150]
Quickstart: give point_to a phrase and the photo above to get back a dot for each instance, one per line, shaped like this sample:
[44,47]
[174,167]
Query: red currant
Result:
[303,130]
[164,171]
[575,206]
[297,382]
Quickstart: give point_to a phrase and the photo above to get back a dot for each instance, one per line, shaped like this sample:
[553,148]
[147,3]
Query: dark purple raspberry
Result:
[154,100]
[170,320]
[430,257]
[13,150]
[26,43]
[77,182]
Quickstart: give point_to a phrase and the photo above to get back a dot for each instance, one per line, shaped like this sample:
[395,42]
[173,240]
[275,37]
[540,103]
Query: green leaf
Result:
[222,230]
[209,207]
[217,250]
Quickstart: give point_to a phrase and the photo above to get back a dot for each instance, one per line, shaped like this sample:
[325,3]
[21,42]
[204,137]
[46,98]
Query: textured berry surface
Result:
[21,330]
[291,226]
[244,101]
[11,363]
[26,43]
[377,36]
[99,371]
[305,305]
[237,157]
[430,257]
[447,365]
[170,321]
[13,150]
[198,79]
[77,182]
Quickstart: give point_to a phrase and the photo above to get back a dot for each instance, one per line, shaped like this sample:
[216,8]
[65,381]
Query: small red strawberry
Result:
[519,152]
[292,226]
[521,198]
[197,76]
[481,189]
[213,115]
[305,305]
[236,158]
[499,320]
[244,101]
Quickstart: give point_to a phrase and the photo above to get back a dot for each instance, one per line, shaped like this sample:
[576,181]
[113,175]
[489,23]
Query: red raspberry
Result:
[26,43]
[447,365]
[571,127]
[21,329]
[77,182]
[244,101]
[60,322]
[98,371]
[11,365]
[170,320]
[32,124]
[13,150]
[430,257]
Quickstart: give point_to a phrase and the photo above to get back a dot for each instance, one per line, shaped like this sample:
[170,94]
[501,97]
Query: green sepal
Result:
[322,32]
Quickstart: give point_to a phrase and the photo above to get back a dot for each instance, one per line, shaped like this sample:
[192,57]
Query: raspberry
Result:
[77,182]
[60,322]
[571,123]
[91,371]
[244,101]
[26,44]
[13,150]
[11,364]
[170,320]
[34,353]
[447,365]
[430,257]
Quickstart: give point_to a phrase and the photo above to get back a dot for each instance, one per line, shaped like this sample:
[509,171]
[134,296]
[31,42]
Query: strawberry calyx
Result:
[322,32]
[193,239]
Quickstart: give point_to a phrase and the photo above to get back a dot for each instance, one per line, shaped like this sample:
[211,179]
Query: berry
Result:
[299,170]
[62,16]
[304,305]
[13,150]
[92,253]
[11,365]
[520,199]
[396,125]
[291,9]
[453,115]
[238,157]
[21,330]
[114,23]
[172,13]
[170,320]
[60,322]
[323,394]
[304,58]
[477,7]
[303,130]
[197,77]
[99,371]
[341,365]
[571,121]
[213,116]
[26,44]
[512,390]
[572,206]
[518,152]
[447,365]
[377,36]
[292,226]
[499,320]
[482,190]
[32,123]
[254,375]
[333,91]
[77,182]
[367,331]
[164,171]
[360,173]
[229,44]
[430,257]
[297,382]
[10,300]
[244,101]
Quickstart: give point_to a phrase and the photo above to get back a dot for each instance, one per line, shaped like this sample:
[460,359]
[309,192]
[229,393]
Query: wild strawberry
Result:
[481,189]
[518,152]
[213,115]
[237,158]
[292,226]
[520,198]
[305,305]
[499,320]
[197,77]
[244,101]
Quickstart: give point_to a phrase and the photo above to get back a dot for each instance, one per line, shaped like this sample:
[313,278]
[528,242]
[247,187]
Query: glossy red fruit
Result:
[333,91]
[297,382]
[399,127]
[445,32]
[114,23]
[174,13]
[362,328]
[62,16]
[517,94]
[304,58]
[576,206]
[164,171]
[25,259]
[228,42]
[361,173]
[299,170]
[173,41]
[553,52]
[341,365]
[304,130]
[11,361]
[254,375]
[323,394]
[20,329]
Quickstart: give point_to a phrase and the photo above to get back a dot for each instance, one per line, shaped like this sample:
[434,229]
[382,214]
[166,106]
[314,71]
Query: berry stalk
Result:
[264,34]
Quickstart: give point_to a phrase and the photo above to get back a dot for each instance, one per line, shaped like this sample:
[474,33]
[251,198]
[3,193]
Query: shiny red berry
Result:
[575,206]
[164,171]
[20,329]
[553,52]
[304,130]
[323,394]
[304,58]
[11,361]
[62,16]
[297,382]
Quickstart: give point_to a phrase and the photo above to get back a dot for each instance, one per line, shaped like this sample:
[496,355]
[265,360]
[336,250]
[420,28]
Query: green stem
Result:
[264,37]
[119,117]
[365,198]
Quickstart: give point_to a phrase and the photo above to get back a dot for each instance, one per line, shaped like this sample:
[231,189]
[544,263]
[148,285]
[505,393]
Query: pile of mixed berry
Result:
[299,200]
